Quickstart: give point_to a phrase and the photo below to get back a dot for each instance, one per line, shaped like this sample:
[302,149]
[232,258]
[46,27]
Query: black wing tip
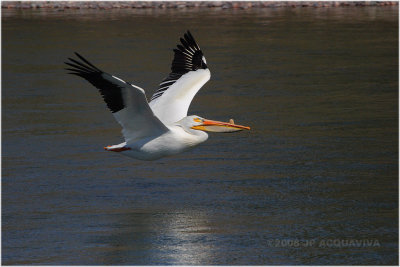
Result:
[187,57]
[80,56]
[109,89]
[87,62]
[82,65]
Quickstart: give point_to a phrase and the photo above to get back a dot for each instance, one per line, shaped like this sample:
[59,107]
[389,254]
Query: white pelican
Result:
[161,127]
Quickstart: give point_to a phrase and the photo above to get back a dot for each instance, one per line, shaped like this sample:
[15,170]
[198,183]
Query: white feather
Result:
[137,119]
[174,104]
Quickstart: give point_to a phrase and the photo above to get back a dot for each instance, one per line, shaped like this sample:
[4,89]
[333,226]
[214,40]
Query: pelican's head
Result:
[198,123]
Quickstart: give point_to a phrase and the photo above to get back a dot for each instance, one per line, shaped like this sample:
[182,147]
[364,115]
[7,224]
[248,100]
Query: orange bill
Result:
[219,127]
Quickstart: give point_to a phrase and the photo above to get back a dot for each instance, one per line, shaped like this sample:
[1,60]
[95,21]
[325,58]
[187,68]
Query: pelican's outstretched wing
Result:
[127,102]
[170,103]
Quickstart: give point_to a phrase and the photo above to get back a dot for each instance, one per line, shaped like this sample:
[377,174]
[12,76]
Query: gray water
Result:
[314,182]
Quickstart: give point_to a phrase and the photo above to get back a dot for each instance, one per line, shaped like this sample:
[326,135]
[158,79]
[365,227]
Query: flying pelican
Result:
[161,127]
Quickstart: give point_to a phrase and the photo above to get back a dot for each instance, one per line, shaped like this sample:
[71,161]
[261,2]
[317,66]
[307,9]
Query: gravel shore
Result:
[183,4]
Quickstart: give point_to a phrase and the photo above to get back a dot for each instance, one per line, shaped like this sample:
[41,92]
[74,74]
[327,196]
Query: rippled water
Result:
[314,182]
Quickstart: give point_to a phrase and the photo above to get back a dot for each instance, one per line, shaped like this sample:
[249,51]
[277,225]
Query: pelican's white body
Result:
[174,141]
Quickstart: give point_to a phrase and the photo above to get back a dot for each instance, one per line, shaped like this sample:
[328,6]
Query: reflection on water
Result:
[139,238]
[318,86]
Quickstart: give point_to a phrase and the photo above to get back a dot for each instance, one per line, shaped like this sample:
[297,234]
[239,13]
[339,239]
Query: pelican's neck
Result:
[191,136]
[201,135]
[198,136]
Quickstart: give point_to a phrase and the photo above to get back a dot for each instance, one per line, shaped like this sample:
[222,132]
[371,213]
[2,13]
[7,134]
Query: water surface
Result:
[319,87]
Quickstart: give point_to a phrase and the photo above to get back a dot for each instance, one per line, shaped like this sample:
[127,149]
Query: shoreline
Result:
[184,4]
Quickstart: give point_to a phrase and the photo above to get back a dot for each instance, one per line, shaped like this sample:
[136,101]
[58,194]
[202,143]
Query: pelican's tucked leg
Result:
[116,149]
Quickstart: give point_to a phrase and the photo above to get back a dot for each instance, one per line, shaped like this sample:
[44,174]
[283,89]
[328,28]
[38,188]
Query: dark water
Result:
[314,182]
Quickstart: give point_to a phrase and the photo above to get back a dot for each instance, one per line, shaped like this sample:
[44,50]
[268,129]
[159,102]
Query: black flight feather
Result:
[110,87]
[187,57]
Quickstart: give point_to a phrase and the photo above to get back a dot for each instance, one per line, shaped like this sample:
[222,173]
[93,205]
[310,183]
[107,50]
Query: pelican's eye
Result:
[197,120]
